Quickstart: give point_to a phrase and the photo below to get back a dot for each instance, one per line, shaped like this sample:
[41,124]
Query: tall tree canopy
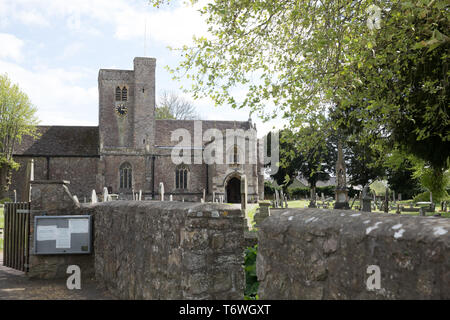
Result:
[380,64]
[17,118]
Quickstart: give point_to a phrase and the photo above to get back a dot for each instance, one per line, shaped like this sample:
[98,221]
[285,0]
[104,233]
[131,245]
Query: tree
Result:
[309,151]
[390,76]
[171,106]
[17,118]
[401,179]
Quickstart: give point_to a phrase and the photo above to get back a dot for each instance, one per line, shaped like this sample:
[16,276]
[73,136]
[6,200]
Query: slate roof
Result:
[61,141]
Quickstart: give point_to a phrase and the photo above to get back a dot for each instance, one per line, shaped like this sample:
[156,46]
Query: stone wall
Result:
[324,254]
[169,250]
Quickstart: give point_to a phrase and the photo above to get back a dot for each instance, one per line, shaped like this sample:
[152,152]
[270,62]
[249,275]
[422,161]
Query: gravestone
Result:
[204,196]
[341,187]
[94,197]
[262,213]
[140,195]
[161,191]
[312,202]
[366,200]
[214,197]
[105,194]
[277,198]
[386,201]
[15,195]
[75,199]
[399,197]
[170,198]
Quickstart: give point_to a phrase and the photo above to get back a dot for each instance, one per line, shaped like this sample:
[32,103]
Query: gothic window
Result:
[233,156]
[121,94]
[125,176]
[124,94]
[118,94]
[181,177]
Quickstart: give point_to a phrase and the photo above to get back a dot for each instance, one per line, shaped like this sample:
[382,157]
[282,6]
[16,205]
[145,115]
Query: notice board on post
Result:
[62,234]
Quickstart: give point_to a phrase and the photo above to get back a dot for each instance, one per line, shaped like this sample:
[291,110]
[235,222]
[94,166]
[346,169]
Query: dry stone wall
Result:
[326,254]
[169,250]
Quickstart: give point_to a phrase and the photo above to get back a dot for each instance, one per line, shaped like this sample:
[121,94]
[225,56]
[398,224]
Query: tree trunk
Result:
[5,181]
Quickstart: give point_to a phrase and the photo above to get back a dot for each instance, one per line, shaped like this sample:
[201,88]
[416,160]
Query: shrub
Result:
[299,192]
[251,280]
[2,201]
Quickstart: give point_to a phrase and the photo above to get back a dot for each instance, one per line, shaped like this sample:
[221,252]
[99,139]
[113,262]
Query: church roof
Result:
[61,141]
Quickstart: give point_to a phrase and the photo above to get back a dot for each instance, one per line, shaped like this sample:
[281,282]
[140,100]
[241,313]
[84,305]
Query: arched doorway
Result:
[234,190]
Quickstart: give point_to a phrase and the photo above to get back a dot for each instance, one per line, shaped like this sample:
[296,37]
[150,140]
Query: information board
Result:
[62,234]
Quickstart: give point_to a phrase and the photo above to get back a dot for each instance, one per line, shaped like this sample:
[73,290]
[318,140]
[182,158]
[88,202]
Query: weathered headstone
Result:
[312,202]
[264,212]
[214,197]
[140,195]
[366,199]
[171,198]
[285,202]
[386,201]
[399,197]
[277,198]
[341,187]
[161,191]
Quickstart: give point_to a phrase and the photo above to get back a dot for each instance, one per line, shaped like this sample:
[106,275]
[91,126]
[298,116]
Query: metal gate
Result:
[16,235]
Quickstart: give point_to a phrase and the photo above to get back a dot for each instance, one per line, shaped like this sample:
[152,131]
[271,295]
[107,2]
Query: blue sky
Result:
[54,48]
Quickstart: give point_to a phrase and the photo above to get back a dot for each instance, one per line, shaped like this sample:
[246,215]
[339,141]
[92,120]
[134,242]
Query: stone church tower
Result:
[130,150]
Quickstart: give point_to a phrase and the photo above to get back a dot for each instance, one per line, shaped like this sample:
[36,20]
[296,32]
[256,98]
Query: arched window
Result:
[233,155]
[125,176]
[181,177]
[118,94]
[124,94]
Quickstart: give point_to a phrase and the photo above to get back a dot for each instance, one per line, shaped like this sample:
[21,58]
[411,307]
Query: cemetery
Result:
[278,150]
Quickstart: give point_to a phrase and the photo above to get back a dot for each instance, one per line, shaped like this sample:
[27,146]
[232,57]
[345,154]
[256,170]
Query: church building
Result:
[130,150]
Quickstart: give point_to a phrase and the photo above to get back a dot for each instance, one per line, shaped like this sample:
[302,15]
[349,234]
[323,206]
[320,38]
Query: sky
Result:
[54,48]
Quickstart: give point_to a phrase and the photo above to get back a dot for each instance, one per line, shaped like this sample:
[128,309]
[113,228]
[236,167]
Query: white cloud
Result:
[72,49]
[11,47]
[173,25]
[56,93]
